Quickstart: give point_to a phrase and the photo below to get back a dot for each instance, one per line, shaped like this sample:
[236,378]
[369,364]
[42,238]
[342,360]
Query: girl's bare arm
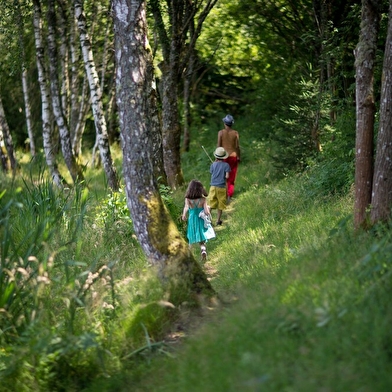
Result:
[185,210]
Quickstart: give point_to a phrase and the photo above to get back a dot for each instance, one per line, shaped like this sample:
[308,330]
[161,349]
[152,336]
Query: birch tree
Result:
[45,96]
[365,53]
[25,84]
[7,139]
[382,179]
[57,103]
[154,228]
[96,97]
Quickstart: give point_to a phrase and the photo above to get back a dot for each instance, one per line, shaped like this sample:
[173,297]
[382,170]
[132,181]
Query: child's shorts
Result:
[217,197]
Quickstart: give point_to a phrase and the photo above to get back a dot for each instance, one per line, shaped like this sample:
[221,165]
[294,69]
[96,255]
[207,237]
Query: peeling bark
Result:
[58,110]
[96,98]
[49,148]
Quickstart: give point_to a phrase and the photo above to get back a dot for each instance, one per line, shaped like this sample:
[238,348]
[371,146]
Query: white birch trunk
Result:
[25,84]
[64,59]
[3,155]
[96,98]
[45,97]
[65,138]
[7,138]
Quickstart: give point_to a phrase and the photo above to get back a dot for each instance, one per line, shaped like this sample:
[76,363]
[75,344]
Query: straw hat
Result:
[221,153]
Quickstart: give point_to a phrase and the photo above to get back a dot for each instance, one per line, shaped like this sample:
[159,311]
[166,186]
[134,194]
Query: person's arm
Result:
[238,148]
[185,210]
[206,207]
[228,170]
[219,144]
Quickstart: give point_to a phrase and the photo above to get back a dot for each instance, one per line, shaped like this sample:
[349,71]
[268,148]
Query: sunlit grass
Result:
[300,318]
[305,300]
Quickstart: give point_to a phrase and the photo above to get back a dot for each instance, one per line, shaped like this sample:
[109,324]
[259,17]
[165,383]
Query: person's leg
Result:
[203,250]
[221,193]
[219,216]
[233,162]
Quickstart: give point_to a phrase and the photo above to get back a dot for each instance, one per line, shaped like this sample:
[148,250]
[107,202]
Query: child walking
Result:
[219,170]
[195,202]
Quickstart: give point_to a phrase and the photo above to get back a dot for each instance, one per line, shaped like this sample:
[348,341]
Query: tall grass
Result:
[305,299]
[76,293]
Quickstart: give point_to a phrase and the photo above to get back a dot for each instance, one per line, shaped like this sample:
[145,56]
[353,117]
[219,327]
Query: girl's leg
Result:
[203,251]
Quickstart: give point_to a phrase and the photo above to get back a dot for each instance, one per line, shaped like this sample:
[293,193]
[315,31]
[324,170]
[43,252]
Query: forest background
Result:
[78,302]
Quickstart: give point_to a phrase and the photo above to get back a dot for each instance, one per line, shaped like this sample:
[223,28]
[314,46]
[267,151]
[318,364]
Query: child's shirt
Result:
[218,171]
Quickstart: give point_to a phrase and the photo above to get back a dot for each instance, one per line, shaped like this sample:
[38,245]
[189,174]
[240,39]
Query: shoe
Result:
[219,223]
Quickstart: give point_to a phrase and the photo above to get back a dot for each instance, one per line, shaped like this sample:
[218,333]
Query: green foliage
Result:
[329,177]
[175,209]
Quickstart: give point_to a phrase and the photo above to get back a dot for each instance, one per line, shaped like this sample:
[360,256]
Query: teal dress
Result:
[195,230]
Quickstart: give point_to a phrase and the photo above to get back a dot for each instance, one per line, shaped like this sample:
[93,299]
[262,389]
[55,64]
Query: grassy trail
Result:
[309,309]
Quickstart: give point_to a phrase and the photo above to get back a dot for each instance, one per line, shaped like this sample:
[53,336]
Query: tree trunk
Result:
[156,138]
[65,138]
[171,131]
[155,230]
[25,81]
[187,102]
[364,61]
[7,138]
[3,155]
[49,147]
[382,180]
[176,50]
[80,121]
[64,59]
[96,98]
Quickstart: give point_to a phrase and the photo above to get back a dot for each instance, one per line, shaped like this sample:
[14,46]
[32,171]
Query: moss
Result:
[181,273]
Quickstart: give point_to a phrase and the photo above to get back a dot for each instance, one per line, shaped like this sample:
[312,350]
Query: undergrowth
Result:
[305,299]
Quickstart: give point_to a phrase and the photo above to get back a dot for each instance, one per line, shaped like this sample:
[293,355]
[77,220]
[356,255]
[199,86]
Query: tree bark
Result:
[365,53]
[3,155]
[25,84]
[187,102]
[154,228]
[7,138]
[382,180]
[49,147]
[58,110]
[96,98]
[176,53]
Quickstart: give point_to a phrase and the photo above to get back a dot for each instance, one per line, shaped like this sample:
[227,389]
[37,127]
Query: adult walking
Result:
[229,139]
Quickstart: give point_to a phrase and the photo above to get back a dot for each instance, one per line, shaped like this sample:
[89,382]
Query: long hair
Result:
[195,190]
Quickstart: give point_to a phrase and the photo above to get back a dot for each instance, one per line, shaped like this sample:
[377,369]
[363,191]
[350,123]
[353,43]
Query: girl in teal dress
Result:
[195,202]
